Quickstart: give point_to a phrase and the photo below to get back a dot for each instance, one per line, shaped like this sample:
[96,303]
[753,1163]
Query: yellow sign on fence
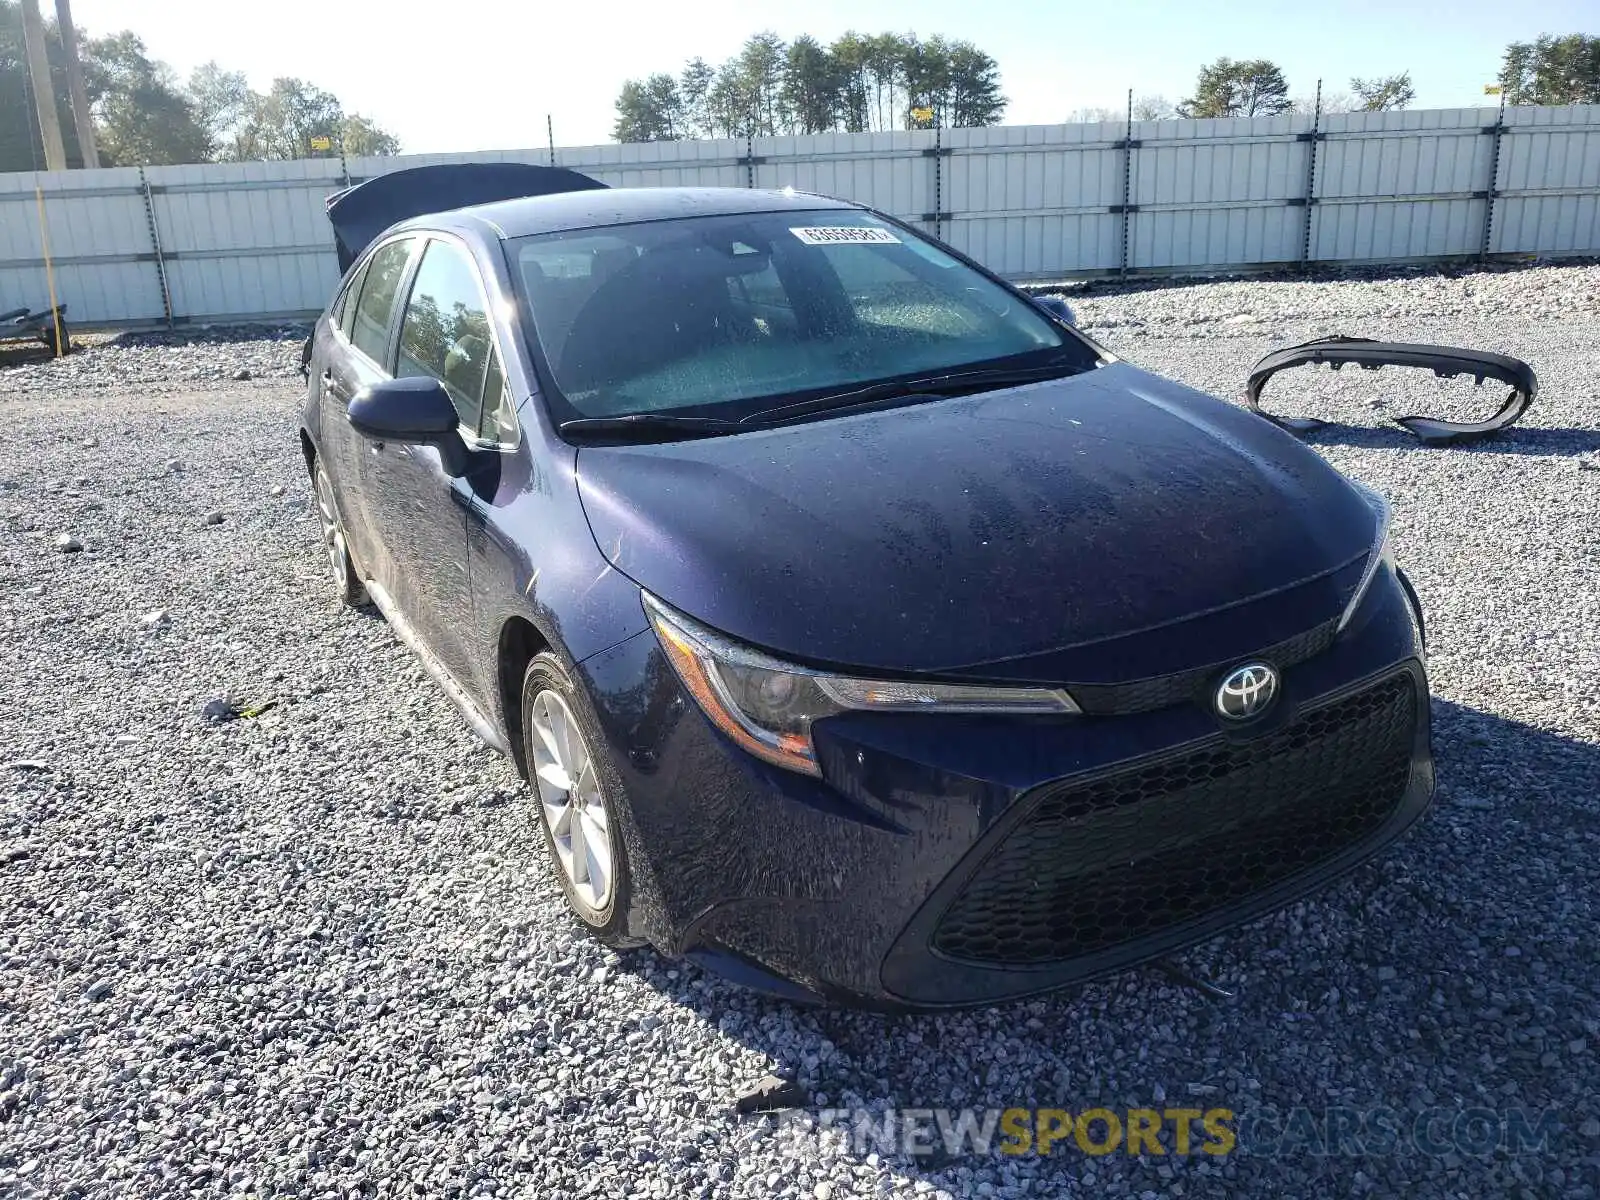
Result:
[1492,89]
[922,114]
[321,141]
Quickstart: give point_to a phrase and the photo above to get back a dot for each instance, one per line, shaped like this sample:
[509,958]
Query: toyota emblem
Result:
[1246,692]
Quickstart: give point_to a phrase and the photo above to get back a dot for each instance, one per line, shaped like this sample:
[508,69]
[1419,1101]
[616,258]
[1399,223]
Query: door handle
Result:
[331,386]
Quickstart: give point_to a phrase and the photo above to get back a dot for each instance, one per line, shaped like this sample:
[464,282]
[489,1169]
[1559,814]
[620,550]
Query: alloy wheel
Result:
[568,785]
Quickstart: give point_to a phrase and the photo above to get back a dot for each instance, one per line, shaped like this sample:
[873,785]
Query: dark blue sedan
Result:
[865,631]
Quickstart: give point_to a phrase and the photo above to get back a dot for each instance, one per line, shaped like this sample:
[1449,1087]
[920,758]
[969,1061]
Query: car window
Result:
[885,292]
[563,274]
[345,310]
[728,314]
[499,424]
[336,309]
[444,331]
[370,328]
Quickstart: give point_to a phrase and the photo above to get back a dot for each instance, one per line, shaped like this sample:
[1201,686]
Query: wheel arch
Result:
[519,641]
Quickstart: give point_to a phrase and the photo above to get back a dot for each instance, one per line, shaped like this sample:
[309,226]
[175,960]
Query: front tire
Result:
[576,797]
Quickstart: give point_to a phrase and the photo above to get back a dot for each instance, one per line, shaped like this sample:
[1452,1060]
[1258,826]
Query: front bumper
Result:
[849,887]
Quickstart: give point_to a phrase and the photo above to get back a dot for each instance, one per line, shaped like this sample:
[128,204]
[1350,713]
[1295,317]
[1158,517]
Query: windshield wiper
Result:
[955,383]
[649,427]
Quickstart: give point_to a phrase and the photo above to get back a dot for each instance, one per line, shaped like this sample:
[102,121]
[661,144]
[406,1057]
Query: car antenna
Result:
[1204,986]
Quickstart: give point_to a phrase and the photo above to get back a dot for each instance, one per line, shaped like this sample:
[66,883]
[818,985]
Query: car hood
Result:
[1104,526]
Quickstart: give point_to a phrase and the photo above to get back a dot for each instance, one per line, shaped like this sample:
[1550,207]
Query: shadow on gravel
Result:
[1516,440]
[1458,973]
[21,354]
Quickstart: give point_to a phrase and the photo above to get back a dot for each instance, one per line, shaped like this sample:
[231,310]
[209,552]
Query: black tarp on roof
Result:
[360,213]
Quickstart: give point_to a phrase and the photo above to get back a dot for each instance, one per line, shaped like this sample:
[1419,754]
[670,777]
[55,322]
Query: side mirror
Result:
[416,409]
[1057,308]
[413,411]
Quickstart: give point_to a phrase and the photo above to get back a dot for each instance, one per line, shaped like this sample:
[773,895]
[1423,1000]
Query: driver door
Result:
[419,510]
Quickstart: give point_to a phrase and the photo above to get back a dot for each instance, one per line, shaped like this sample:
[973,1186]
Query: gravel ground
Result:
[316,953]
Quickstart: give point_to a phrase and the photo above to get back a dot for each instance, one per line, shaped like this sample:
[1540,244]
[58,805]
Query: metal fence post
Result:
[1311,138]
[155,246]
[938,152]
[1127,208]
[1497,130]
[750,160]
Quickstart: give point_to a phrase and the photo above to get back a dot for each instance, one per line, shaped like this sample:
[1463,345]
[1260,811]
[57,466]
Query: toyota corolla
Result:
[864,630]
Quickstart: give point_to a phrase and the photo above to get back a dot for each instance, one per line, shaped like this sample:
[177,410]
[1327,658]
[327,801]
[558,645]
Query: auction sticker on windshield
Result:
[834,235]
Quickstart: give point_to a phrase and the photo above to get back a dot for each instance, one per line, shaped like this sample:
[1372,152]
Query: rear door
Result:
[419,510]
[358,345]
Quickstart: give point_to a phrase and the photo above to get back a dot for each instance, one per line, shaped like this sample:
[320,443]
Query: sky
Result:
[483,75]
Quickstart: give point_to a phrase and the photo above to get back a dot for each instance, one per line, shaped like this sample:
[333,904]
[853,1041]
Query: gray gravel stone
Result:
[336,973]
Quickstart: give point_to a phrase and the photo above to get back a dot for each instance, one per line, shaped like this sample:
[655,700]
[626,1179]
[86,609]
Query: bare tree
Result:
[1153,108]
[224,105]
[1332,102]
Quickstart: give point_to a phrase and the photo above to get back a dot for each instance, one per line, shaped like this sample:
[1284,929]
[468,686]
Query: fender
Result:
[1446,362]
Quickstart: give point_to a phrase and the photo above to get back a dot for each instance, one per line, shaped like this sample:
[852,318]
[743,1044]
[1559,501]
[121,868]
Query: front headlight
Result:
[1382,552]
[767,706]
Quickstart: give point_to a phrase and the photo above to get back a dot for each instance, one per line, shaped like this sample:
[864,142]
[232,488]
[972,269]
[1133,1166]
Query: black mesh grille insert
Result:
[1159,691]
[1128,855]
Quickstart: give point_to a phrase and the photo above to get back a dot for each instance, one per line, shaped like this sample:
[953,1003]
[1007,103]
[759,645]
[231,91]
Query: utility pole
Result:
[81,120]
[55,154]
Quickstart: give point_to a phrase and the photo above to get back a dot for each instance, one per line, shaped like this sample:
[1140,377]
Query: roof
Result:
[620,206]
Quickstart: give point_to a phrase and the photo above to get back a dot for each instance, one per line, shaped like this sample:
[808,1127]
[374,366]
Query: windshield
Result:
[724,316]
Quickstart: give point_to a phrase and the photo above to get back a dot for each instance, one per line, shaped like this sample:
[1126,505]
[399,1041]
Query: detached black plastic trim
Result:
[1447,362]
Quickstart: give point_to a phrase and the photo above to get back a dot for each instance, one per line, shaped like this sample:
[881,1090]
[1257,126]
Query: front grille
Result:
[1128,855]
[1161,691]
